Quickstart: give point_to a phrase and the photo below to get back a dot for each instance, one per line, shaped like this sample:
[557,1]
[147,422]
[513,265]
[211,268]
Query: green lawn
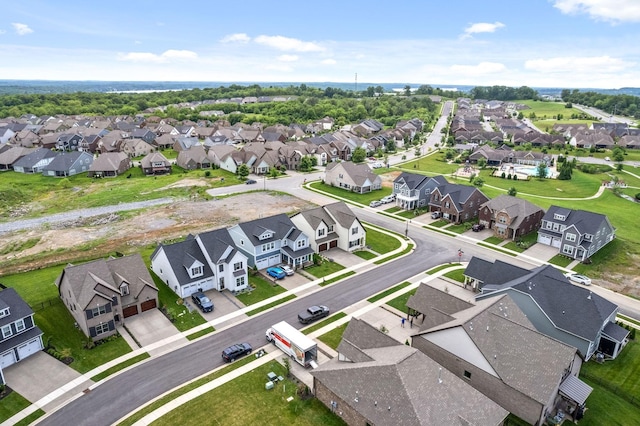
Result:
[605,407]
[456,275]
[319,325]
[58,326]
[252,403]
[365,254]
[441,267]
[333,337]
[560,260]
[47,195]
[177,311]
[400,302]
[11,405]
[352,196]
[262,289]
[388,291]
[35,286]
[395,255]
[622,374]
[324,269]
[120,367]
[381,242]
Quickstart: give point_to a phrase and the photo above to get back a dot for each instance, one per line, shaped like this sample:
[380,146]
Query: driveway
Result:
[224,303]
[152,327]
[541,251]
[342,257]
[40,374]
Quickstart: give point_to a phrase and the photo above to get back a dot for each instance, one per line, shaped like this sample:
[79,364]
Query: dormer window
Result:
[559,216]
[124,289]
[4,312]
[196,271]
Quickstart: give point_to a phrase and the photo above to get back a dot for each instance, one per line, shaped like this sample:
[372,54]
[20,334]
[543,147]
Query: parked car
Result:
[276,272]
[234,352]
[250,181]
[607,159]
[477,227]
[287,269]
[313,313]
[375,203]
[578,278]
[377,165]
[388,199]
[435,215]
[203,302]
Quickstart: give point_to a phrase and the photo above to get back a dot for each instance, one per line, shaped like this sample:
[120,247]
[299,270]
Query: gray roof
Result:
[570,307]
[584,221]
[65,160]
[414,181]
[459,194]
[498,272]
[517,208]
[216,243]
[341,212]
[436,305]
[34,157]
[359,173]
[616,332]
[279,224]
[360,335]
[18,308]
[522,357]
[400,385]
[180,256]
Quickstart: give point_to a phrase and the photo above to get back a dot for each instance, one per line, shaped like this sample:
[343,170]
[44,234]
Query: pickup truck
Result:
[313,313]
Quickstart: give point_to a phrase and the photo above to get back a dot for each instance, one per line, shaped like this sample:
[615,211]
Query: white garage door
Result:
[556,242]
[188,290]
[7,358]
[262,263]
[29,348]
[274,260]
[544,239]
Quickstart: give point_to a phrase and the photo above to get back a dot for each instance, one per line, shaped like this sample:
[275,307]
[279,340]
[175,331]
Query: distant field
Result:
[547,113]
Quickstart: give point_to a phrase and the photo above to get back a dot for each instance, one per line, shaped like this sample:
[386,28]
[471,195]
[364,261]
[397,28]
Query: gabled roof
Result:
[584,221]
[517,208]
[108,161]
[18,308]
[397,384]
[414,181]
[183,253]
[217,243]
[279,224]
[65,160]
[34,157]
[571,308]
[459,194]
[359,173]
[437,306]
[341,212]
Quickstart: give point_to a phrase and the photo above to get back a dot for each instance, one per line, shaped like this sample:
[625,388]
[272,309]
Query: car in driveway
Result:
[578,278]
[202,301]
[375,203]
[477,227]
[287,270]
[250,181]
[276,272]
[435,215]
[388,199]
[236,351]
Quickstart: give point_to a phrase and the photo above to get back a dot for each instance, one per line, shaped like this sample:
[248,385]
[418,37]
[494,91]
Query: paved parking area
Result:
[151,327]
[39,375]
[223,303]
[541,251]
[342,257]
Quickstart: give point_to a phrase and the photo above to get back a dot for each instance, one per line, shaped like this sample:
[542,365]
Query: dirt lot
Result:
[125,232]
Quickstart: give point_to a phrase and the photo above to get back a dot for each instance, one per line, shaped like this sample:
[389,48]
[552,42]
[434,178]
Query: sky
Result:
[535,43]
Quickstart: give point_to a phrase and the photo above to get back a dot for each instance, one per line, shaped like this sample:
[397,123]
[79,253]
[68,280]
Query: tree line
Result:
[626,105]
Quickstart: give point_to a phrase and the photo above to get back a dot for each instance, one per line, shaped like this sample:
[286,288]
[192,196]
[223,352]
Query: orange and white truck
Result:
[293,343]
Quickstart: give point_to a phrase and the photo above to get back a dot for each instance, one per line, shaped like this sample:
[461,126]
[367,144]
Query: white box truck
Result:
[293,343]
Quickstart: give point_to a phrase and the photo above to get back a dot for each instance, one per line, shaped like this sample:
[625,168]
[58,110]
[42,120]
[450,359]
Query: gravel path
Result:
[75,214]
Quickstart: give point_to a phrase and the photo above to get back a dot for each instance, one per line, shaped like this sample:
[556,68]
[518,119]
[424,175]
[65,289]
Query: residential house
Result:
[590,140]
[207,261]
[272,240]
[100,294]
[225,157]
[145,134]
[259,159]
[9,156]
[6,134]
[510,217]
[457,203]
[68,164]
[577,234]
[352,177]
[109,164]
[34,161]
[136,147]
[494,348]
[164,141]
[332,225]
[413,191]
[193,158]
[564,311]
[155,163]
[379,381]
[19,335]
[69,141]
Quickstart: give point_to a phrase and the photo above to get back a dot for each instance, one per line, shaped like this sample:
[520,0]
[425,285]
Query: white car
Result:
[375,203]
[377,165]
[388,199]
[287,270]
[578,278]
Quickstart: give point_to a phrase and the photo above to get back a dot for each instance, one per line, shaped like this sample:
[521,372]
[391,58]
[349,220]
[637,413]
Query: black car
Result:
[477,227]
[203,302]
[251,181]
[234,352]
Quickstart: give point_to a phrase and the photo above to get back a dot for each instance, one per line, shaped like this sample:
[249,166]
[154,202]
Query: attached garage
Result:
[544,239]
[323,247]
[29,348]
[149,304]
[555,242]
[130,311]
[7,359]
[333,244]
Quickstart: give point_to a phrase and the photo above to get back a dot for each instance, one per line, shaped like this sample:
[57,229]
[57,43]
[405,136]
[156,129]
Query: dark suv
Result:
[203,302]
[236,351]
[477,227]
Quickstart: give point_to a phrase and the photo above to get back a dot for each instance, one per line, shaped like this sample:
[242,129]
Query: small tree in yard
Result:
[542,170]
[482,163]
[512,191]
[478,182]
[273,172]
[359,154]
[287,365]
[243,171]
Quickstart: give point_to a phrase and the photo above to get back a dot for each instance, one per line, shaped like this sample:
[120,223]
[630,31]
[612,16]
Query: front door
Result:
[221,284]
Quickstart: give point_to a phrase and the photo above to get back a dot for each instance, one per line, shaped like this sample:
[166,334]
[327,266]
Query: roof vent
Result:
[487,328]
[439,375]
[471,326]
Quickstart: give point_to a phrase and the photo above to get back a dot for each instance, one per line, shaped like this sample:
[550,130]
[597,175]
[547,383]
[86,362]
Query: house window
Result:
[20,326]
[99,310]
[467,374]
[300,244]
[103,327]
[6,331]
[321,232]
[197,271]
[446,205]
[124,289]
[240,282]
[221,267]
[354,230]
[570,237]
[567,249]
[237,266]
[268,246]
[558,217]
[4,312]
[502,219]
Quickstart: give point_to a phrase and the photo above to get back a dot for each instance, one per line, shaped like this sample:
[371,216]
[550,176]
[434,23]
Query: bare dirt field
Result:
[125,232]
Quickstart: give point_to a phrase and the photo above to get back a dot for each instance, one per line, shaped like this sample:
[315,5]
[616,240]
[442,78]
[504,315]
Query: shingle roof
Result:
[437,306]
[18,308]
[178,252]
[280,224]
[65,160]
[516,208]
[217,243]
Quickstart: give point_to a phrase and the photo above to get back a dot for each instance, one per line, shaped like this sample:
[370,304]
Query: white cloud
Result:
[482,27]
[167,56]
[329,61]
[599,64]
[288,58]
[236,38]
[481,68]
[605,10]
[21,29]
[279,67]
[288,44]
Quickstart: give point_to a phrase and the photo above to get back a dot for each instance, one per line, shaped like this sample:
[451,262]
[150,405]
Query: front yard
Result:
[352,196]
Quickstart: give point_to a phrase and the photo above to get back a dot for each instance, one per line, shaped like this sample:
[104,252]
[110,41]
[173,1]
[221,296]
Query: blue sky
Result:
[537,43]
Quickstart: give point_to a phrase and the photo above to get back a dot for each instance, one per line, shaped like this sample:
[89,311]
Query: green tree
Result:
[274,172]
[542,170]
[358,155]
[306,164]
[482,162]
[478,182]
[407,90]
[618,154]
[619,167]
[512,191]
[243,171]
